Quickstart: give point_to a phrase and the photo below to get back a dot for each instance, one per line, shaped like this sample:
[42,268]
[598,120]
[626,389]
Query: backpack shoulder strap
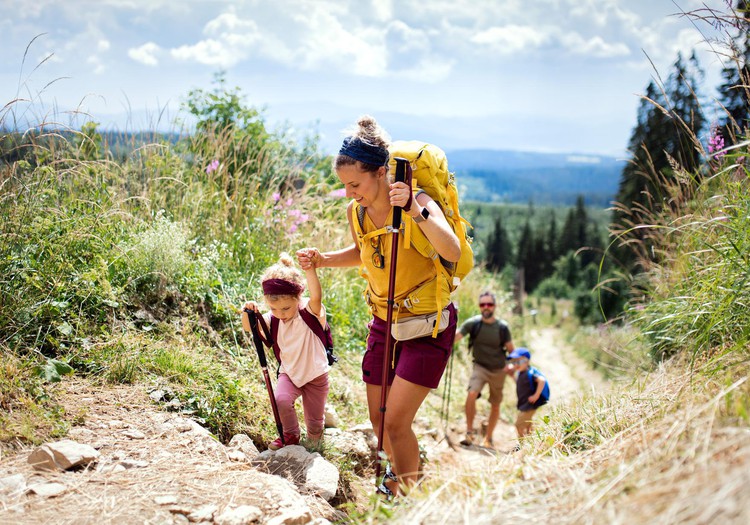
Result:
[275,337]
[313,324]
[474,331]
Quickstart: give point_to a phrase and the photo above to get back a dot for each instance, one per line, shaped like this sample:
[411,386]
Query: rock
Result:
[349,443]
[169,499]
[331,417]
[321,478]
[14,485]
[301,516]
[236,455]
[133,433]
[244,444]
[156,395]
[47,490]
[65,454]
[204,513]
[310,472]
[241,515]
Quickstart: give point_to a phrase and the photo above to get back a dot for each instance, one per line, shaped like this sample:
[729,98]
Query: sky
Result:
[543,75]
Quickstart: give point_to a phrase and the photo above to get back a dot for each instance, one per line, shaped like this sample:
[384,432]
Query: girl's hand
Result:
[252,306]
[533,398]
[309,258]
[399,194]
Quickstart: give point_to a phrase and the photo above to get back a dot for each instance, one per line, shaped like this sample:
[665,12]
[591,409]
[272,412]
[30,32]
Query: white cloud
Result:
[510,39]
[594,46]
[145,54]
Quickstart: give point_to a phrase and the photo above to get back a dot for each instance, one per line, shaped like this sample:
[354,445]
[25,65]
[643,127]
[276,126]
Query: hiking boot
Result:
[469,439]
[289,439]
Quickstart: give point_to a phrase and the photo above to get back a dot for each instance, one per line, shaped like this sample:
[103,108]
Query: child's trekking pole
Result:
[250,324]
[403,174]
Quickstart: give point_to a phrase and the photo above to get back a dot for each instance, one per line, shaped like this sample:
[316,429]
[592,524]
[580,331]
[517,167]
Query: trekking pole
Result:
[403,173]
[252,319]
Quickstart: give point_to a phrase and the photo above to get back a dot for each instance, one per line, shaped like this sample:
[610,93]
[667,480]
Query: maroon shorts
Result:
[421,361]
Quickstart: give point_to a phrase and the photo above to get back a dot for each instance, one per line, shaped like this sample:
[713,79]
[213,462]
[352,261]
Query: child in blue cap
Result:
[532,388]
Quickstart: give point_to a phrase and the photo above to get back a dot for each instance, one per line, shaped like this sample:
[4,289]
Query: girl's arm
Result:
[436,228]
[315,291]
[312,258]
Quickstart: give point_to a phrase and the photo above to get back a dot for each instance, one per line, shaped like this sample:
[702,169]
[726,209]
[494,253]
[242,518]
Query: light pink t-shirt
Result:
[303,356]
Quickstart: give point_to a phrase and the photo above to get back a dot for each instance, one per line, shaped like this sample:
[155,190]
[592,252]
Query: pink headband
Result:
[281,287]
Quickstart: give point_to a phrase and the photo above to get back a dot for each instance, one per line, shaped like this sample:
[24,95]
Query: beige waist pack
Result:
[419,325]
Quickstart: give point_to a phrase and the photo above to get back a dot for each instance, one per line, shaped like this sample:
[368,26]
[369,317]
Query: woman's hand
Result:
[399,194]
[309,258]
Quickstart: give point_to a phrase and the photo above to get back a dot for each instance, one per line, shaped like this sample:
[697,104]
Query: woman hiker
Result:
[417,364]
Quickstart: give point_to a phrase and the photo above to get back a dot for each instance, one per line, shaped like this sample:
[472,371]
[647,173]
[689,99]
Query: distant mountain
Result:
[544,178]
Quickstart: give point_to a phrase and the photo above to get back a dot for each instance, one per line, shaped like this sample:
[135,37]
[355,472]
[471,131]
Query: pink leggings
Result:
[314,394]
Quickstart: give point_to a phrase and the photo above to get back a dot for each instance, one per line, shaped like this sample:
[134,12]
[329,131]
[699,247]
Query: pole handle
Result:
[252,319]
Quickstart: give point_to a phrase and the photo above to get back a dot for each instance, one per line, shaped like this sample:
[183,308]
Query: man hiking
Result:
[489,342]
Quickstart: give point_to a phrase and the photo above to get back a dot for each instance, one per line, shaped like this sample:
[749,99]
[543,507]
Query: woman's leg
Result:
[404,400]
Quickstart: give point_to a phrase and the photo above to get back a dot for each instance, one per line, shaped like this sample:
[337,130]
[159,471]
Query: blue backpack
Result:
[545,391]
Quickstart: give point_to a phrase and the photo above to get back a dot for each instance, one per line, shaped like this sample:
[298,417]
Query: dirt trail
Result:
[568,375]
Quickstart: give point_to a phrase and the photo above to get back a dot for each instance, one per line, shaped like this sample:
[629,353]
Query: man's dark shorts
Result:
[421,361]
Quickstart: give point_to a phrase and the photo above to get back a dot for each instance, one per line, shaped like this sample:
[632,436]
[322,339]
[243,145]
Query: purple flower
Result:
[213,166]
[276,196]
[716,143]
[338,193]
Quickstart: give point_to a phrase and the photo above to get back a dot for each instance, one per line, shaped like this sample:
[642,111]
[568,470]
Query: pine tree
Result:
[669,122]
[498,247]
[734,91]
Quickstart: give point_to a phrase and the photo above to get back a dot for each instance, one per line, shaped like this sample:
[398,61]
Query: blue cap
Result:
[518,353]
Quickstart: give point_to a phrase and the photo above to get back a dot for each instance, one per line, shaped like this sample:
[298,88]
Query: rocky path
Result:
[151,467]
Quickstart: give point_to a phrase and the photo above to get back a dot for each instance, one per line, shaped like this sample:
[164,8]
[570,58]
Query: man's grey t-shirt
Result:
[489,343]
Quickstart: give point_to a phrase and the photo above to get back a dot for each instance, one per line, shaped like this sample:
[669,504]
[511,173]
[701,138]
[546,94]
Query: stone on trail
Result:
[64,455]
[242,515]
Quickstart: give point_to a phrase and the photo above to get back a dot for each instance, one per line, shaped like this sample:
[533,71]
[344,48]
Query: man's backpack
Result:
[324,334]
[430,174]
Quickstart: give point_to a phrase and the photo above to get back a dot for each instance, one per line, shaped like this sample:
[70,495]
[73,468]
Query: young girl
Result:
[304,365]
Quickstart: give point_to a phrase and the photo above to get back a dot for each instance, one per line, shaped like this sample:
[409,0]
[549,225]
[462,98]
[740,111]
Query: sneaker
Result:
[469,439]
[289,439]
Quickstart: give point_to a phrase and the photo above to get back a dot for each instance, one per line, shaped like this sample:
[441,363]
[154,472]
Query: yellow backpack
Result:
[430,174]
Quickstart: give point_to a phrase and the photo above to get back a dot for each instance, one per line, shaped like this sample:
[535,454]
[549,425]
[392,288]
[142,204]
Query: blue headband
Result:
[362,151]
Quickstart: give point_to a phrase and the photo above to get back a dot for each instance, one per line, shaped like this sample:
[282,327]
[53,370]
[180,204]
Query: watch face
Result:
[425,212]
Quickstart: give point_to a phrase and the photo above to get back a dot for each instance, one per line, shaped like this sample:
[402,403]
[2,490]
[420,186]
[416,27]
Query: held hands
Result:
[309,258]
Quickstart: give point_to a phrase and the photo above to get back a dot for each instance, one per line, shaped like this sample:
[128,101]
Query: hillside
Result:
[546,178]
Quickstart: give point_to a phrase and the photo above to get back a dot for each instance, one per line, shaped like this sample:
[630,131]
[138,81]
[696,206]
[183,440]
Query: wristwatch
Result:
[423,215]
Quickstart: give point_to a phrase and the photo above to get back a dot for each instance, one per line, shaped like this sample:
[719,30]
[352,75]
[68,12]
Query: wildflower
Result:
[289,201]
[276,196]
[716,143]
[341,192]
[213,166]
